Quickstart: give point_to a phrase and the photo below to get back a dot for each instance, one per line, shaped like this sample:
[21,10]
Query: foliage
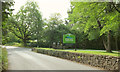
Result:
[86,15]
[96,25]
[10,37]
[6,12]
[55,29]
[27,22]
[95,19]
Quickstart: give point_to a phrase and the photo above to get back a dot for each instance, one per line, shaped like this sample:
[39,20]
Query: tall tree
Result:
[95,19]
[6,13]
[52,32]
[27,22]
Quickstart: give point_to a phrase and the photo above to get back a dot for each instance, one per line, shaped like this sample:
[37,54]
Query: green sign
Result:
[68,38]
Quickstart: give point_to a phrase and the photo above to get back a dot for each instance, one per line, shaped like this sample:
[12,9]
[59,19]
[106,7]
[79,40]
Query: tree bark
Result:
[116,42]
[105,44]
[109,42]
[37,42]
[24,42]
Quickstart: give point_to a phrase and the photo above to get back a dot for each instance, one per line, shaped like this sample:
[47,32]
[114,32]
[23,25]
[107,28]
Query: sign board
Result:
[68,38]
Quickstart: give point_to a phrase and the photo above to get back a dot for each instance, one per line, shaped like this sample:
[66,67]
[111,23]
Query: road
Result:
[25,59]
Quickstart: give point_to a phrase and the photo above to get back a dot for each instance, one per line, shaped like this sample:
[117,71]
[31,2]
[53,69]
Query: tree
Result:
[6,12]
[51,31]
[95,20]
[27,22]
[54,30]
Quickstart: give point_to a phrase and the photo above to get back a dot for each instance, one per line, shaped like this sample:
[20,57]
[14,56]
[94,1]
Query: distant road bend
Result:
[25,59]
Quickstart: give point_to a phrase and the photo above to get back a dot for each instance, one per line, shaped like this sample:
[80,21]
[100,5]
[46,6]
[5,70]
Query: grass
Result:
[4,59]
[115,53]
[96,52]
[14,44]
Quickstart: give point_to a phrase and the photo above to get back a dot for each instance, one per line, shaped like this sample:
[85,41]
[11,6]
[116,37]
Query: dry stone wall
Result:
[0,59]
[102,61]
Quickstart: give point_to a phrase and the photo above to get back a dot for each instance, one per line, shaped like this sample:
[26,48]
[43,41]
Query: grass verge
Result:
[115,53]
[17,45]
[4,59]
[14,44]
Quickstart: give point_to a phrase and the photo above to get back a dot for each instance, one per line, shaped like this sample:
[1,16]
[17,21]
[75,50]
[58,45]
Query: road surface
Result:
[25,59]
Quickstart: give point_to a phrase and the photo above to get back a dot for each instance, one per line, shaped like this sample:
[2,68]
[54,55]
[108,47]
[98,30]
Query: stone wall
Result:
[102,61]
[0,59]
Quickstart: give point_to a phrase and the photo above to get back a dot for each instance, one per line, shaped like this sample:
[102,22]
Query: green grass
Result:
[4,59]
[47,48]
[95,52]
[115,53]
[14,44]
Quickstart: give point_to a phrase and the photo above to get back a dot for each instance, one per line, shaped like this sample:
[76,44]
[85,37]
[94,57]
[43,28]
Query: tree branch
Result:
[115,8]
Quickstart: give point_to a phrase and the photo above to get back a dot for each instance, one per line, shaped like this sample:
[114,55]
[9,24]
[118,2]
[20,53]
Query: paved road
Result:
[25,59]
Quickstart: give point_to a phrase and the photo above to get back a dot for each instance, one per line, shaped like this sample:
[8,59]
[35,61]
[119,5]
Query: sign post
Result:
[69,39]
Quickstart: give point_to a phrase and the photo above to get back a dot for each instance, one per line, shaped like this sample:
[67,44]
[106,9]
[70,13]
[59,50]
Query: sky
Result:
[47,7]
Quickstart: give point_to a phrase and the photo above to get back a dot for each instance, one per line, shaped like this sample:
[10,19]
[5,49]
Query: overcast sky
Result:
[47,7]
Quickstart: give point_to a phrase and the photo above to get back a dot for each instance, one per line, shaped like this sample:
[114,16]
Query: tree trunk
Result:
[105,44]
[116,42]
[37,42]
[109,42]
[25,42]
